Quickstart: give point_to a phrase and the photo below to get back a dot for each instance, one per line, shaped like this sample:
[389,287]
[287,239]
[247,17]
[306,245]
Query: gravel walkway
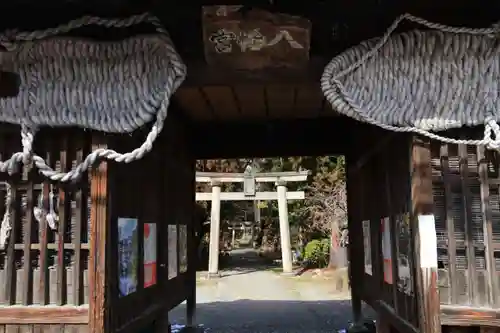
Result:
[252,300]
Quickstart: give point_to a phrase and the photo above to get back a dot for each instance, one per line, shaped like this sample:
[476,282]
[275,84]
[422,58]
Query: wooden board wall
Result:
[379,187]
[463,190]
[158,189]
[180,202]
[44,265]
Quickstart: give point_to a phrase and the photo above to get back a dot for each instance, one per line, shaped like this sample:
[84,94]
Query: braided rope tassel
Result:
[336,94]
[50,216]
[6,225]
[10,40]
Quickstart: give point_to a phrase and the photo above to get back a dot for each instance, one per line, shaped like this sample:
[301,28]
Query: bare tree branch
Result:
[327,202]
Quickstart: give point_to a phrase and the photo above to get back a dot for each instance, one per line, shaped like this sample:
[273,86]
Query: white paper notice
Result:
[428,241]
[172,251]
[367,247]
[386,238]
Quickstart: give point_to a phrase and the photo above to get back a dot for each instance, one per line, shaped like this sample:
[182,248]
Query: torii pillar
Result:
[213,255]
[286,247]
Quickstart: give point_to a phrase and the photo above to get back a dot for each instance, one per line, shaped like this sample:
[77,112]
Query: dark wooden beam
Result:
[386,313]
[469,316]
[201,74]
[311,137]
[44,315]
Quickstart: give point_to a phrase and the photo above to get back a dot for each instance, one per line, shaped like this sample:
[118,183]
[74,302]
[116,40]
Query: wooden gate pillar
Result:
[99,244]
[286,248]
[425,243]
[356,249]
[213,260]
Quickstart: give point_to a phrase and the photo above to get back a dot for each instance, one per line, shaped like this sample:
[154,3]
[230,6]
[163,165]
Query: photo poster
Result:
[405,278]
[128,253]
[367,247]
[150,250]
[385,226]
[183,249]
[172,251]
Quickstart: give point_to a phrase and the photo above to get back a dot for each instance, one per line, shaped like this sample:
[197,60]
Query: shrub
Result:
[317,253]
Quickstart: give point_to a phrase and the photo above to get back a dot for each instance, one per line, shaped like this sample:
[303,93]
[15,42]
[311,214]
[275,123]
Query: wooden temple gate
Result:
[66,278]
[422,216]
[386,198]
[429,239]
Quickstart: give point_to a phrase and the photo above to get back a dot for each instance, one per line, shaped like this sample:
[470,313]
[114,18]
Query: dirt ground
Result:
[251,296]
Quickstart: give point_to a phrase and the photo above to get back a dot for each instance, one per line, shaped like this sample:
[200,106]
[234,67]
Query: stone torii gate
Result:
[250,179]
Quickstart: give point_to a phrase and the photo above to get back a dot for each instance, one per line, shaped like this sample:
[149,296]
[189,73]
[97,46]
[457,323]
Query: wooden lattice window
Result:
[43,262]
[467,211]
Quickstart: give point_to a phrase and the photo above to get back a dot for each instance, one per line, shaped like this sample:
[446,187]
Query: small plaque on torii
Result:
[249,182]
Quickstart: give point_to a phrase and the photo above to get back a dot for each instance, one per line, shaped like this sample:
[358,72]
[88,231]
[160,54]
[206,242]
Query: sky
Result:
[126,227]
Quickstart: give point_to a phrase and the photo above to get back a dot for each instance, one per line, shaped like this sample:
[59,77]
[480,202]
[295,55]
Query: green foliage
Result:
[317,252]
[323,211]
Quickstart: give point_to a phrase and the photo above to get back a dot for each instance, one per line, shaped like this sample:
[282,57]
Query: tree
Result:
[321,215]
[326,203]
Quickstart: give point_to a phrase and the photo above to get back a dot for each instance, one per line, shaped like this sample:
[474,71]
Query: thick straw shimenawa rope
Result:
[348,62]
[155,102]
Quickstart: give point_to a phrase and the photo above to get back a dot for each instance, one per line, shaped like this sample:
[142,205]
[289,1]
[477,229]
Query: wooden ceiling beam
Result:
[202,74]
[271,138]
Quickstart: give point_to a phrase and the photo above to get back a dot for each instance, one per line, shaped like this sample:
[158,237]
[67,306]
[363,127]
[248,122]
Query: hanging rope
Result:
[50,216]
[433,80]
[6,225]
[40,214]
[107,86]
[155,103]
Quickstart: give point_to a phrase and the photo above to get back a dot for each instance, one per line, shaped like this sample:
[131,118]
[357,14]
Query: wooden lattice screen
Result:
[466,181]
[42,265]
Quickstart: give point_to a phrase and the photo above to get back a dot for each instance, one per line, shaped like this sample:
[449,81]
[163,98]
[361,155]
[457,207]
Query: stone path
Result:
[250,299]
